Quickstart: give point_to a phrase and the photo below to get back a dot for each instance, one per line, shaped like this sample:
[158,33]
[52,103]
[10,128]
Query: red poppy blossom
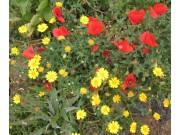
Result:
[130,81]
[148,39]
[58,14]
[95,48]
[29,52]
[124,91]
[93,88]
[136,16]
[61,31]
[123,46]
[134,46]
[48,86]
[106,53]
[95,27]
[40,49]
[145,50]
[157,10]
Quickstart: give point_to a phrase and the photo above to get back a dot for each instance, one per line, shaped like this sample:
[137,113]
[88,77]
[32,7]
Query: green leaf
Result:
[42,5]
[54,100]
[47,13]
[36,19]
[68,109]
[37,132]
[54,120]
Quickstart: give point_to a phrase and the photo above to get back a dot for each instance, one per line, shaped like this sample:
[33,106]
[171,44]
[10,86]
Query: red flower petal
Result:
[158,9]
[106,53]
[61,31]
[93,88]
[40,49]
[136,16]
[145,50]
[148,39]
[95,48]
[134,46]
[48,86]
[58,14]
[123,46]
[153,13]
[29,52]
[130,81]
[95,27]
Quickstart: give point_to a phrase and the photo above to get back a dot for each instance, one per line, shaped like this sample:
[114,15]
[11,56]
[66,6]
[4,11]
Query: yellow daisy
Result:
[51,76]
[114,82]
[84,19]
[42,27]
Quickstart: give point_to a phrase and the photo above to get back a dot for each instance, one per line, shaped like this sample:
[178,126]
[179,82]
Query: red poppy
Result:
[58,14]
[136,16]
[95,48]
[123,46]
[134,46]
[40,49]
[61,31]
[29,52]
[148,39]
[93,88]
[130,81]
[124,91]
[106,53]
[95,27]
[48,86]
[157,10]
[145,50]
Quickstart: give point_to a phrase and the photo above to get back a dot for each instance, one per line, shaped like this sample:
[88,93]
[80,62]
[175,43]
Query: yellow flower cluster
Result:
[95,100]
[33,64]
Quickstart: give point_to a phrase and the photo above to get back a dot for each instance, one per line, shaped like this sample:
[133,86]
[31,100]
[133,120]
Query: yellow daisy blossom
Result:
[33,73]
[130,94]
[75,134]
[33,64]
[37,57]
[83,91]
[59,4]
[156,116]
[166,102]
[42,27]
[158,71]
[105,110]
[13,62]
[116,98]
[133,127]
[114,82]
[91,42]
[45,40]
[52,20]
[67,49]
[113,127]
[15,51]
[80,114]
[41,93]
[84,19]
[51,76]
[17,99]
[40,69]
[126,113]
[48,65]
[145,130]
[96,82]
[143,97]
[102,73]
[23,29]
[63,72]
